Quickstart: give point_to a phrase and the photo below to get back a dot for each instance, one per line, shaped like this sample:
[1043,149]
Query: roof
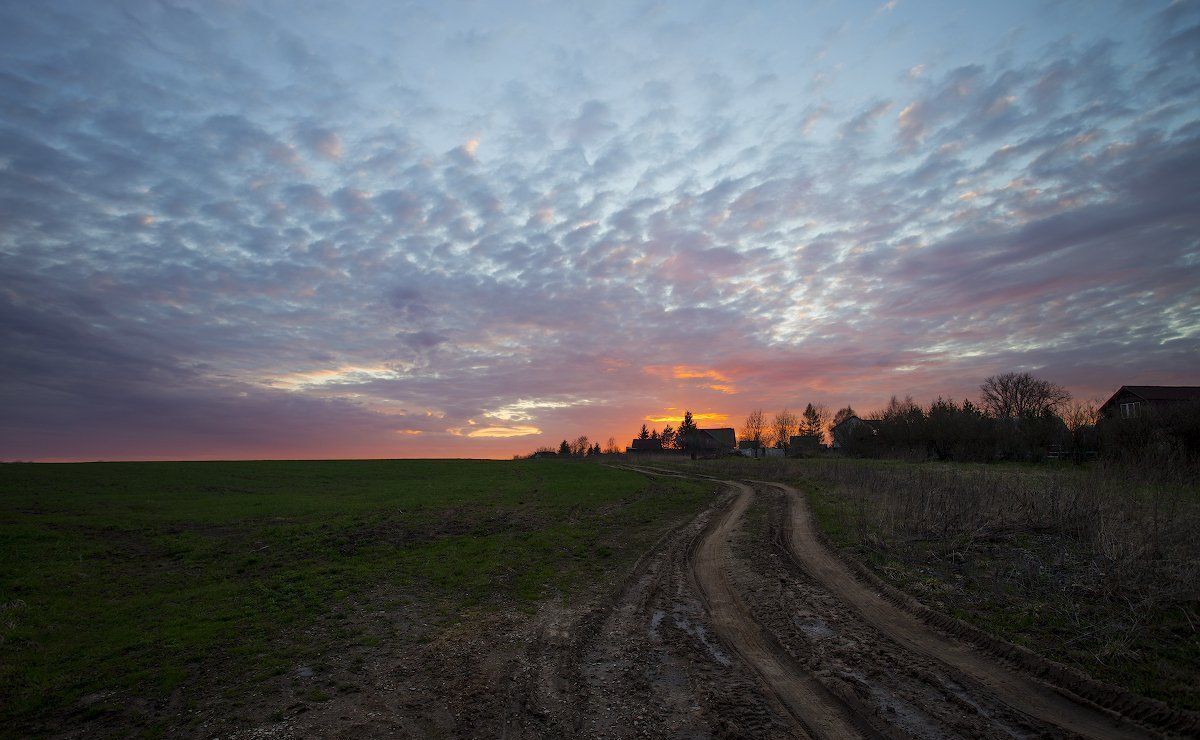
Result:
[724,436]
[1161,393]
[851,418]
[646,444]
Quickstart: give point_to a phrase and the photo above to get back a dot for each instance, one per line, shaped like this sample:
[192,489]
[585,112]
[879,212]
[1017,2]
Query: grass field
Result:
[1095,566]
[136,594]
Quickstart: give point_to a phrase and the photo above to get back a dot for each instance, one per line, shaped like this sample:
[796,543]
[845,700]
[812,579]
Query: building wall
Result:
[1124,406]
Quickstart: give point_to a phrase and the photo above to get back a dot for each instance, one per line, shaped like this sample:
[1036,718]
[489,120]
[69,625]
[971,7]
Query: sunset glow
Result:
[702,418]
[387,230]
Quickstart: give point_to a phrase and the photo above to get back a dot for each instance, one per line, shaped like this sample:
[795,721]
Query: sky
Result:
[243,229]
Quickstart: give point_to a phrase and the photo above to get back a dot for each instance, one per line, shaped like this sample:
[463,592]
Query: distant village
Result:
[1017,417]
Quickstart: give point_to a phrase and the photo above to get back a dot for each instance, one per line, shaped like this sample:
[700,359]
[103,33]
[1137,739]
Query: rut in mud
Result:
[1020,691]
[651,665]
[741,623]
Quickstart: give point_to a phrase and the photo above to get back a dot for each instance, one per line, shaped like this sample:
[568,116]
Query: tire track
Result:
[807,700]
[1022,692]
[902,692]
[644,663]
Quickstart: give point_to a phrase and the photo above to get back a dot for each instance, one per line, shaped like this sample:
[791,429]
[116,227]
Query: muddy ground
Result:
[737,623]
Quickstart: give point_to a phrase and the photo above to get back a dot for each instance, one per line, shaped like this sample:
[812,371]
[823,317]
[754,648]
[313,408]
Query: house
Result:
[851,430]
[540,454]
[720,440]
[1151,418]
[712,442]
[1132,401]
[750,448]
[644,446]
[803,444]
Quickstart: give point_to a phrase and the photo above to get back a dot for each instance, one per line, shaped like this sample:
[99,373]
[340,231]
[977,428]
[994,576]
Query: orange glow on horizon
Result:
[696,417]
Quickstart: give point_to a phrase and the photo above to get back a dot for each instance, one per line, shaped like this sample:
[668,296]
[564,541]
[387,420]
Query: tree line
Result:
[673,439]
[1017,416]
[784,426]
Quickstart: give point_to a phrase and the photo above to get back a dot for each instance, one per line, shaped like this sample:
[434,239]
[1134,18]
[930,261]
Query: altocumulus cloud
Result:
[245,231]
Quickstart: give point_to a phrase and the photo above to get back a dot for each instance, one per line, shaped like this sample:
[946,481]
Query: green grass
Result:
[136,579]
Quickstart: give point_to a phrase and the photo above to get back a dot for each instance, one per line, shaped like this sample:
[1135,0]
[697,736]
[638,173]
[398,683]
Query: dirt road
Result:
[1018,690]
[741,623]
[809,703]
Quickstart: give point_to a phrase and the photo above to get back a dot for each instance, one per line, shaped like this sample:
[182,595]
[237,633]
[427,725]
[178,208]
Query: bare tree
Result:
[1082,417]
[783,427]
[611,448]
[580,446]
[1021,394]
[1080,413]
[755,428]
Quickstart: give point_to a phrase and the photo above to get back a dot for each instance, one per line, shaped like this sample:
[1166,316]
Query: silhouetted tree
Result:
[611,448]
[843,414]
[668,437]
[644,434]
[1016,395]
[754,429]
[813,421]
[580,446]
[654,434]
[783,426]
[900,428]
[943,427]
[1081,418]
[686,436]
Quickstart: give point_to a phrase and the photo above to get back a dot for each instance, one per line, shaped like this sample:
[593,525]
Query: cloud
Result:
[322,141]
[865,120]
[594,121]
[371,230]
[519,430]
[420,339]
